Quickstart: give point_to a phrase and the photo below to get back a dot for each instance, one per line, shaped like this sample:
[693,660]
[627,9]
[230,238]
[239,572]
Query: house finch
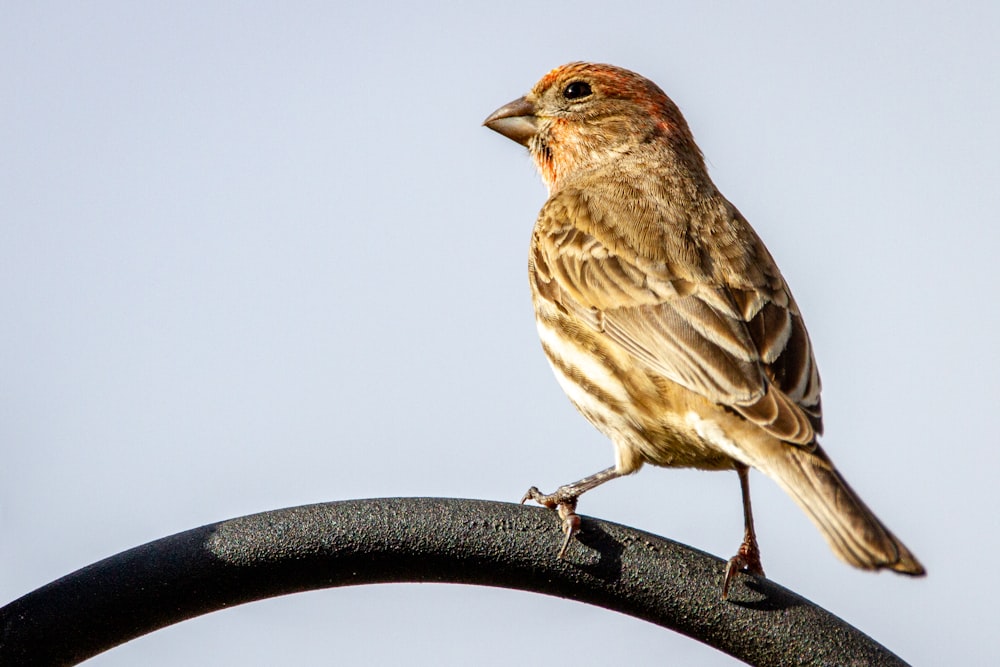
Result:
[664,317]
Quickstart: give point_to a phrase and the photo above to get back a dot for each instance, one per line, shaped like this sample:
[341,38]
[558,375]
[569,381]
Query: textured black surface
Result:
[421,540]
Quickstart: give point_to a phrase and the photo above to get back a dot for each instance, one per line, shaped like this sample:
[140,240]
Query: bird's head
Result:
[583,116]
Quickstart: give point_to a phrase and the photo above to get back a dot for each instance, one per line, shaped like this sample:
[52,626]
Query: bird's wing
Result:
[745,348]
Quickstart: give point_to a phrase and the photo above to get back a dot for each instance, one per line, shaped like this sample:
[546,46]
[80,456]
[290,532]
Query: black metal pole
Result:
[421,540]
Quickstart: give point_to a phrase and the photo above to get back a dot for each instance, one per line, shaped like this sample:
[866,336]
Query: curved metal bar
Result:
[421,540]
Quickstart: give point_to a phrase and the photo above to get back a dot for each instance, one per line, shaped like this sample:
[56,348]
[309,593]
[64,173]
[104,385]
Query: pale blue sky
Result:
[255,255]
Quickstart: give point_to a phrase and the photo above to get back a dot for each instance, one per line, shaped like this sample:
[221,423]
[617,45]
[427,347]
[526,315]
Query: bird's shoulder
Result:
[668,230]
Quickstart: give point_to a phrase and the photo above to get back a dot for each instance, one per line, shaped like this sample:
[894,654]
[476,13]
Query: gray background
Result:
[257,255]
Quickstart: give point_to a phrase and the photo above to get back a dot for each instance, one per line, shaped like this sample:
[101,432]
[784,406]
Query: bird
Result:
[664,317]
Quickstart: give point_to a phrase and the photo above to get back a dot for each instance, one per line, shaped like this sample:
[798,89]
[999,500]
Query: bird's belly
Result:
[647,417]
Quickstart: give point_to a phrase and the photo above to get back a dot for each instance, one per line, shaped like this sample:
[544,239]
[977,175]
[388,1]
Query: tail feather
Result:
[853,531]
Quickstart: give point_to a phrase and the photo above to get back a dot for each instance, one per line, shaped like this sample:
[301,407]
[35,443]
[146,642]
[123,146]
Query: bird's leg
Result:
[564,501]
[747,559]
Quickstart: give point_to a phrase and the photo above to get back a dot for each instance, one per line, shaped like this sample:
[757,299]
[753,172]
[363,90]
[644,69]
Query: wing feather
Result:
[743,346]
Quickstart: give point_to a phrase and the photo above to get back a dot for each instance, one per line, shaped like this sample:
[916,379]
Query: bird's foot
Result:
[747,559]
[563,501]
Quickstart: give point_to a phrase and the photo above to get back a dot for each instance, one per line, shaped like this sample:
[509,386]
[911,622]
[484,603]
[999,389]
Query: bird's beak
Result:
[516,121]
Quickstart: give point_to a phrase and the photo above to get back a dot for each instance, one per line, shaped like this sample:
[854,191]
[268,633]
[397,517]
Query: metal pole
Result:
[421,540]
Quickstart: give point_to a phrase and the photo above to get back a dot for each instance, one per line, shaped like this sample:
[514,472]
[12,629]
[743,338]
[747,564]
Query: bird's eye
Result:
[576,90]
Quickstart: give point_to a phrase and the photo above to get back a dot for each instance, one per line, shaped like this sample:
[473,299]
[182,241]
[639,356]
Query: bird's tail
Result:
[853,531]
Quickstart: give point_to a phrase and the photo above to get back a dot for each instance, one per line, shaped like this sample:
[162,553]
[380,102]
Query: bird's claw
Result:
[565,504]
[747,559]
[542,499]
[570,525]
